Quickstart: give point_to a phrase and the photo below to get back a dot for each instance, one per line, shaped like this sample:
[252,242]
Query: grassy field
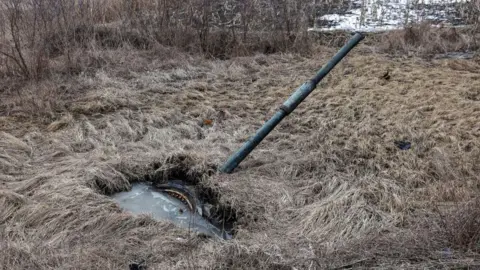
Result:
[327,189]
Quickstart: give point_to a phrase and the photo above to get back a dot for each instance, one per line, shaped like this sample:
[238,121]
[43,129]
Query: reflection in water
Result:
[380,15]
[144,199]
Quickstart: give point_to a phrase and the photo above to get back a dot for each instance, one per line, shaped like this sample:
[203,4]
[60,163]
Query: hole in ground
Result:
[176,194]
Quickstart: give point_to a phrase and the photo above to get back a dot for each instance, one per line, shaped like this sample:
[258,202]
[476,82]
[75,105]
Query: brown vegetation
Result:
[39,38]
[328,189]
[35,31]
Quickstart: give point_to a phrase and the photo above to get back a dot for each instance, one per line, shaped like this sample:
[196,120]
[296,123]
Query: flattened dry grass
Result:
[327,189]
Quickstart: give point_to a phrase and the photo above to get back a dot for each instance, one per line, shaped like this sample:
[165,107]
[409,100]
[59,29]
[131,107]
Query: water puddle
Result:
[383,15]
[174,202]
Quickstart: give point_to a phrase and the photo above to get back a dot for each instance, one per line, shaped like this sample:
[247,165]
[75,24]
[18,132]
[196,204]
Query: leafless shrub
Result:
[35,31]
[462,225]
[470,11]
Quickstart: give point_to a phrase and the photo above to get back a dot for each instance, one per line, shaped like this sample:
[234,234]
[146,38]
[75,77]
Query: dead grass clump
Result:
[10,203]
[108,181]
[61,123]
[462,225]
[242,258]
[13,157]
[176,166]
[34,99]
[410,248]
[426,41]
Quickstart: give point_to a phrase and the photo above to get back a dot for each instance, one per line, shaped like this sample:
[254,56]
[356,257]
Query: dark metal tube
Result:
[288,106]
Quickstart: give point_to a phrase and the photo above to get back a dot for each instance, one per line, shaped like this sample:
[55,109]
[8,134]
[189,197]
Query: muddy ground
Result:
[328,188]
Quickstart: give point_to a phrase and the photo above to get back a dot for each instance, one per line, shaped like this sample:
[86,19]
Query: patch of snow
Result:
[383,15]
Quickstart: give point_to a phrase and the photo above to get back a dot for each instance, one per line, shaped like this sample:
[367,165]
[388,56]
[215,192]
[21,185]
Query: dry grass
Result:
[423,40]
[44,38]
[327,189]
[113,97]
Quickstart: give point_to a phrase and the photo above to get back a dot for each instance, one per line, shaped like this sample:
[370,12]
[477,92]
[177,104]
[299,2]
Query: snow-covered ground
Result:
[381,15]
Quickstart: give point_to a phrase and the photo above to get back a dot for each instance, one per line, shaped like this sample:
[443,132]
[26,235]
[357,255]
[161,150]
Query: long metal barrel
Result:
[288,106]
